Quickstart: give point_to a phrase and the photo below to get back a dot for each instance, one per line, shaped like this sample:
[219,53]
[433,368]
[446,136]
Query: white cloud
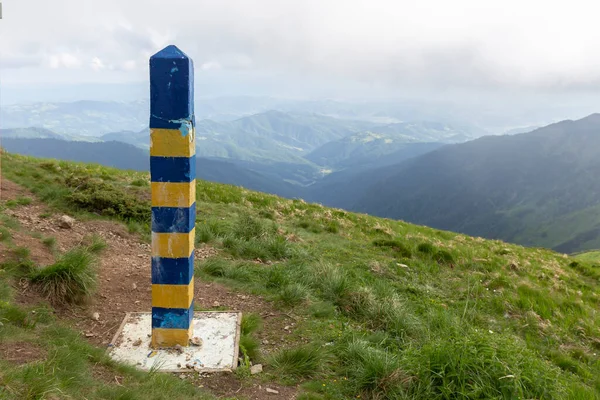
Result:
[400,43]
[207,66]
[64,60]
[97,64]
[129,65]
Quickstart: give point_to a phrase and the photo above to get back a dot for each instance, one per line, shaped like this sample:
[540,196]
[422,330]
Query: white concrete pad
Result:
[219,334]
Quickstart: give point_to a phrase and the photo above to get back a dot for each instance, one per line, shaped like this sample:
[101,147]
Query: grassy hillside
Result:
[382,309]
[127,156]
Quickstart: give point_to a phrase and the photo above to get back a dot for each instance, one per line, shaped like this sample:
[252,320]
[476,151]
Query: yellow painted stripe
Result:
[171,194]
[173,296]
[173,245]
[170,337]
[171,143]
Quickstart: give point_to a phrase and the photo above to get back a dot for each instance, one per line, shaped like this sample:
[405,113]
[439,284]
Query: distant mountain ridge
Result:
[539,188]
[364,147]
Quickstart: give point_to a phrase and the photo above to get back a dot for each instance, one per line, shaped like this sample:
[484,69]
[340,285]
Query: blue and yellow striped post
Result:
[173,176]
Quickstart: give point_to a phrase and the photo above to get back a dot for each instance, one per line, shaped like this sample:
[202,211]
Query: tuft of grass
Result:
[372,371]
[276,277]
[5,235]
[426,248]
[140,183]
[333,284]
[204,234]
[248,228]
[332,227]
[400,248]
[444,257]
[137,227]
[95,244]
[310,225]
[72,279]
[250,347]
[267,214]
[293,294]
[9,222]
[251,323]
[299,362]
[214,266]
[21,253]
[14,315]
[49,242]
[20,201]
[322,309]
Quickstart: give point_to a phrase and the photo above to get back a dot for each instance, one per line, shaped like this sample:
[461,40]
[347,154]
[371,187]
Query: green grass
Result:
[95,244]
[72,279]
[49,242]
[5,235]
[590,256]
[249,344]
[393,310]
[20,201]
[299,362]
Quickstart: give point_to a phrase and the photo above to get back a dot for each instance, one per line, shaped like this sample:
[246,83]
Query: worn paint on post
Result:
[173,176]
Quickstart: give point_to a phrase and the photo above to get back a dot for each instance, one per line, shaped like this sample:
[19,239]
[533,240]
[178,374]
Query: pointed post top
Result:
[171,51]
[171,90]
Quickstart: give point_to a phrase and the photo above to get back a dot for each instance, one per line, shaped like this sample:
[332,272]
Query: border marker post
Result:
[173,187]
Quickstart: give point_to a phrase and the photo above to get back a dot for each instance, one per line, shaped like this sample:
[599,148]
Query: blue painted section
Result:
[172,169]
[172,271]
[171,89]
[172,318]
[173,219]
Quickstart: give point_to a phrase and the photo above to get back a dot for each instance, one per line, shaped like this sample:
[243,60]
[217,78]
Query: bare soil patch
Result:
[21,352]
[226,385]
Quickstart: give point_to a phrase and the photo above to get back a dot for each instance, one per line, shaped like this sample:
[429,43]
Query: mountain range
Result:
[537,188]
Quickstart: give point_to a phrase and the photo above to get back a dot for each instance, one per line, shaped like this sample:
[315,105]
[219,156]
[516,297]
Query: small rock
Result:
[137,342]
[269,390]
[265,341]
[89,335]
[96,316]
[66,222]
[196,341]
[134,286]
[287,327]
[256,369]
[216,304]
[179,349]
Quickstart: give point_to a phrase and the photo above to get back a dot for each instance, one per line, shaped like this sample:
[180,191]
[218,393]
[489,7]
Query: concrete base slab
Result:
[219,334]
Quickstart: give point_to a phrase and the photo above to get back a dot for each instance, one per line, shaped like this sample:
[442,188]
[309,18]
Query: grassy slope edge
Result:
[392,310]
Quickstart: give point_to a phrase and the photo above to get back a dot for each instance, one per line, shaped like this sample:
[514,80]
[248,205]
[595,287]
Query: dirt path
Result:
[124,286]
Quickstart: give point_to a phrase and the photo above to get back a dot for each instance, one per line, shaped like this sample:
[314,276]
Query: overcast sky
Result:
[481,45]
